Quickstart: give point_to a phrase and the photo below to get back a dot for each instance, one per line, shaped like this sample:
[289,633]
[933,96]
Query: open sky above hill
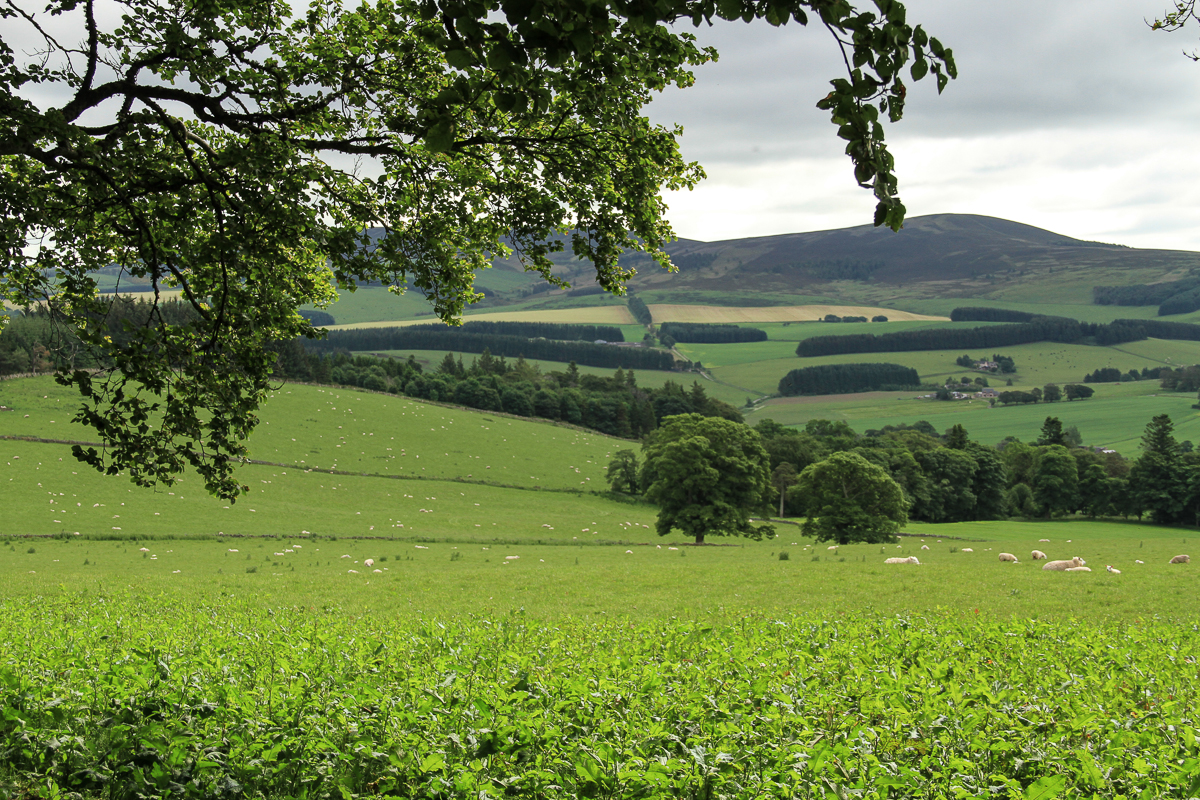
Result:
[1073,116]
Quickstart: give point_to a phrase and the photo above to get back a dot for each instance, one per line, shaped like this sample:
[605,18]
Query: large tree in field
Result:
[252,156]
[707,475]
[1157,479]
[849,499]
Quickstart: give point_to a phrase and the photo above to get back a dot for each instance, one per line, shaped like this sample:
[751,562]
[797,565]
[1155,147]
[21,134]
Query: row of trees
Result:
[442,337]
[1050,393]
[846,378]
[985,314]
[614,405]
[639,310]
[40,340]
[709,476]
[1054,329]
[1114,375]
[708,333]
[1172,297]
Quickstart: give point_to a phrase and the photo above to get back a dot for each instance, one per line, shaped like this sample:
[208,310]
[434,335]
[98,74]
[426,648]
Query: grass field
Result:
[1115,416]
[544,643]
[1037,364]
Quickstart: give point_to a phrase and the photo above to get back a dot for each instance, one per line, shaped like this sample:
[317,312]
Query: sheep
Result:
[1038,555]
[1078,569]
[1009,557]
[370,562]
[1181,559]
[909,560]
[1064,565]
[967,550]
[1112,569]
[1043,540]
[834,547]
[924,547]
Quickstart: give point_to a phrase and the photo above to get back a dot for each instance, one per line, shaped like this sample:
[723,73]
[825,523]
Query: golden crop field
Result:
[595,315]
[663,312]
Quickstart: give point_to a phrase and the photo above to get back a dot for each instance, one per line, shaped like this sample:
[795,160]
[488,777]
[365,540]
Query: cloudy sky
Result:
[1071,115]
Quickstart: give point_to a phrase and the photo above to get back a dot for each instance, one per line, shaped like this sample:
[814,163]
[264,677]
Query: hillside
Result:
[940,255]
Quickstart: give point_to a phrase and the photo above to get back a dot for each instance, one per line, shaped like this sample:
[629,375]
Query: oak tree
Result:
[707,475]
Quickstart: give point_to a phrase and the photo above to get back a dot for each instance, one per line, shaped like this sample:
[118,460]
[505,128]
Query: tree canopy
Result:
[250,157]
[849,499]
[707,475]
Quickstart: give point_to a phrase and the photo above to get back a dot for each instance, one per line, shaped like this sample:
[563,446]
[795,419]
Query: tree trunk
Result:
[783,496]
[699,538]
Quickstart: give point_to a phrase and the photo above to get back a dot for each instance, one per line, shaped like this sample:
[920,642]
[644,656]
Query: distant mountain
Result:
[952,254]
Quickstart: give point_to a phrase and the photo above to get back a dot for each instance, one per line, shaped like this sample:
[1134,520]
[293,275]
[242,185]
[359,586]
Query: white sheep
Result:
[1009,557]
[1112,569]
[967,550]
[1181,559]
[1043,540]
[909,560]
[370,562]
[924,547]
[1078,569]
[1061,566]
[1038,555]
[834,547]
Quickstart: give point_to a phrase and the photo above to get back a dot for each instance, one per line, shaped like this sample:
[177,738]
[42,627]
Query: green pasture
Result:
[569,572]
[359,431]
[1115,416]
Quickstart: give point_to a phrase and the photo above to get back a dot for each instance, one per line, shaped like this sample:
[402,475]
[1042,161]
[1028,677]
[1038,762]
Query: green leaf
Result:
[440,137]
[919,69]
[1046,787]
[459,58]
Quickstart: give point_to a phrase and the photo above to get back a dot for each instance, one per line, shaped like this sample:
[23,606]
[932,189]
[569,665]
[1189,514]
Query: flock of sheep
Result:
[1075,564]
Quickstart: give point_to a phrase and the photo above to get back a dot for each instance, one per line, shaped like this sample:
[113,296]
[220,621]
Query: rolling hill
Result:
[940,255]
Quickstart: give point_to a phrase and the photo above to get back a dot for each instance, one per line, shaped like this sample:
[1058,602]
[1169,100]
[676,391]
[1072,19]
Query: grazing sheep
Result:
[1038,555]
[1043,540]
[834,547]
[1181,559]
[967,550]
[1064,565]
[1009,557]
[1138,561]
[370,562]
[1078,569]
[924,547]
[1112,569]
[909,560]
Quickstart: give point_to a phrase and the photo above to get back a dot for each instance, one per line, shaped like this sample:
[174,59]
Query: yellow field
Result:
[675,313]
[595,315]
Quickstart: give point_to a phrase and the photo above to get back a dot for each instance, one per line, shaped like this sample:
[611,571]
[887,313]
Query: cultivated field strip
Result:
[116,696]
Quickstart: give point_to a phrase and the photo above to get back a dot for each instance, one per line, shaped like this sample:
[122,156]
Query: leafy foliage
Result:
[215,151]
[268,700]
